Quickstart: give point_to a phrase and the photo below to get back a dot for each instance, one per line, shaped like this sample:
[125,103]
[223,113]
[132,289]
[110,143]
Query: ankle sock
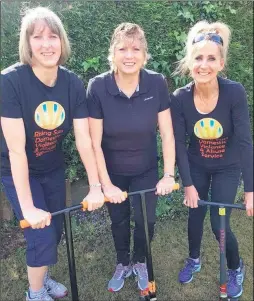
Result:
[46,277]
[195,260]
[34,294]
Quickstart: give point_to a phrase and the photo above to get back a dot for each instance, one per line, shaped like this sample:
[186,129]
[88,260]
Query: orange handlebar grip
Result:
[85,203]
[176,186]
[24,224]
[124,193]
[106,200]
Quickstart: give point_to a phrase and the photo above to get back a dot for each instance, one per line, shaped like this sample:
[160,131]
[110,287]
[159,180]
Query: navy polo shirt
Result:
[129,124]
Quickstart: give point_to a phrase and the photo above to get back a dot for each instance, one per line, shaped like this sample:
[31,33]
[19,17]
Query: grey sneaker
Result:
[117,281]
[54,288]
[140,270]
[41,296]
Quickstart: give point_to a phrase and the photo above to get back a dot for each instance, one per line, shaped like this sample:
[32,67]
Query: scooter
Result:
[222,245]
[148,294]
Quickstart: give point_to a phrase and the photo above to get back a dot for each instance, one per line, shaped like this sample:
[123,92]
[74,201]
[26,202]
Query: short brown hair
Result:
[27,28]
[127,30]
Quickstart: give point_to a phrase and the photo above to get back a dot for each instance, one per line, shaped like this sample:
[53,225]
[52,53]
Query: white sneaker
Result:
[140,270]
[41,296]
[55,289]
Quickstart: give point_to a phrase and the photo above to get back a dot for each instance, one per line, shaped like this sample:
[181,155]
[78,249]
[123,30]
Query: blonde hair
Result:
[127,30]
[32,16]
[203,27]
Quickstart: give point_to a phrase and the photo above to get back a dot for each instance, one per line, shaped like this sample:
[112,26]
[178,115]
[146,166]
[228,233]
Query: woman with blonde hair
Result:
[41,100]
[213,112]
[125,105]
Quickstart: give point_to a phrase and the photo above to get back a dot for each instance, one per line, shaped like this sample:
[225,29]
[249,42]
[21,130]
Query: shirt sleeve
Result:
[180,141]
[81,109]
[241,123]
[10,106]
[94,104]
[163,94]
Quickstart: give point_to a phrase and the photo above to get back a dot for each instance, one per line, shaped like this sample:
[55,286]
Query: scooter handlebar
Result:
[235,206]
[24,223]
[84,206]
[85,203]
[106,200]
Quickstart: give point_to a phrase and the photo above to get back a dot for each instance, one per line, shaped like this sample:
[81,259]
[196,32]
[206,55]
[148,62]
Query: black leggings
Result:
[224,185]
[120,215]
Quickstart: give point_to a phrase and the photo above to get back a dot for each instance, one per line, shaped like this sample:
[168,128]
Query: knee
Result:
[151,229]
[197,215]
[119,213]
[41,247]
[217,230]
[141,230]
[120,223]
[58,224]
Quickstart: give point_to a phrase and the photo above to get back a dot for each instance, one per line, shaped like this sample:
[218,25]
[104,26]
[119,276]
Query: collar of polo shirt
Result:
[143,86]
[137,89]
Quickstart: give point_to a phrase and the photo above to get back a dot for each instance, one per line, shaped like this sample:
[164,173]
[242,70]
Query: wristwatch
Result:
[168,175]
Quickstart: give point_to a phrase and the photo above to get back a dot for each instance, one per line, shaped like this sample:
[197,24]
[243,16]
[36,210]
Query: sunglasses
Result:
[208,36]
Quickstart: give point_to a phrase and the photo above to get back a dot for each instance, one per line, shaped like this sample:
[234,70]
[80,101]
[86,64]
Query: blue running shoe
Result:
[235,281]
[191,267]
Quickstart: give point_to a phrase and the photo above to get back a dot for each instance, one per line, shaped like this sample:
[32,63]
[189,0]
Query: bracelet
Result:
[168,175]
[95,185]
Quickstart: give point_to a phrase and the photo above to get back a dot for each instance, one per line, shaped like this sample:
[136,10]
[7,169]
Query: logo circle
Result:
[49,115]
[208,128]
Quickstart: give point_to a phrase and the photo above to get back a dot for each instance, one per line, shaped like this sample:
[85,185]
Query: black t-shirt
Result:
[129,124]
[47,112]
[218,139]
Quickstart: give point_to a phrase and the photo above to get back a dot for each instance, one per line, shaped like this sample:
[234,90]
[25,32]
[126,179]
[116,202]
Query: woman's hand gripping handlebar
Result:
[84,204]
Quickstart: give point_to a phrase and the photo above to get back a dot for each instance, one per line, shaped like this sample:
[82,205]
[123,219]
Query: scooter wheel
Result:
[233,299]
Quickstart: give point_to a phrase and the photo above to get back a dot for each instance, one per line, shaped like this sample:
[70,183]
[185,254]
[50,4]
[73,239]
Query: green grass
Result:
[95,263]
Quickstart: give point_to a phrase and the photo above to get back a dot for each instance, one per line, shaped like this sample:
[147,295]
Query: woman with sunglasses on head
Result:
[213,112]
[41,100]
[125,105]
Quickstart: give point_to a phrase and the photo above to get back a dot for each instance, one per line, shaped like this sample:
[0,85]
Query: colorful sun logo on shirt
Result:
[49,115]
[208,128]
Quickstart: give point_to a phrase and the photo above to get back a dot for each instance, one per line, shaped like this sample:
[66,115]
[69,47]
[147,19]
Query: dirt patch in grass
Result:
[11,239]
